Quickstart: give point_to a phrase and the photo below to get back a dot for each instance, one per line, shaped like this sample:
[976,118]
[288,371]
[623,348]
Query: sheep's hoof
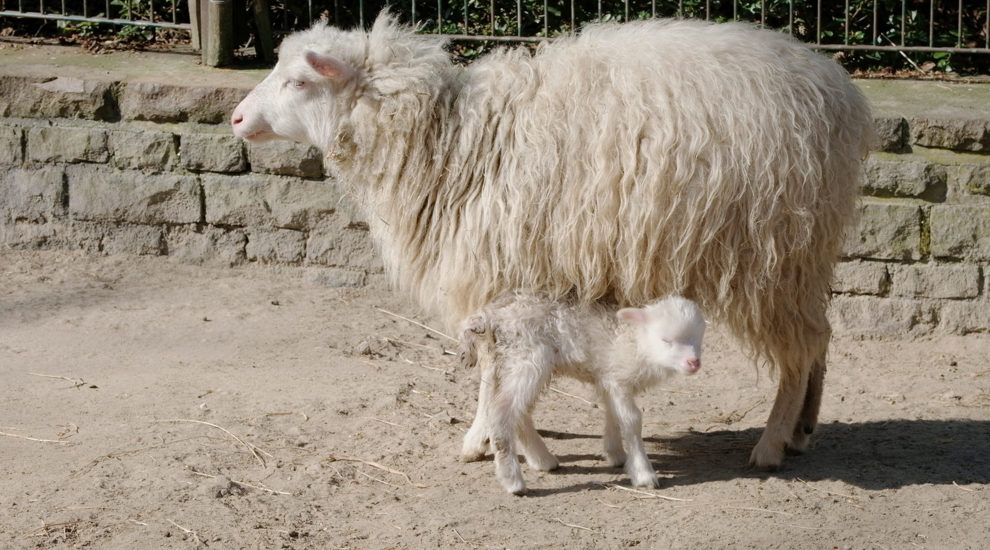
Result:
[765,457]
[543,464]
[648,482]
[517,488]
[799,443]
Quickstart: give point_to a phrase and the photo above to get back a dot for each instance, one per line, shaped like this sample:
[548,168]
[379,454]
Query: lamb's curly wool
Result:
[713,161]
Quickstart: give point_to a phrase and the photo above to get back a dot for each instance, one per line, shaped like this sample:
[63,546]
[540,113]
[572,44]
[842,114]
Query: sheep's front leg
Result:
[630,421]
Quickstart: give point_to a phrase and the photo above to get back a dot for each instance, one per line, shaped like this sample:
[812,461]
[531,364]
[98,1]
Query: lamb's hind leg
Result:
[476,441]
[808,421]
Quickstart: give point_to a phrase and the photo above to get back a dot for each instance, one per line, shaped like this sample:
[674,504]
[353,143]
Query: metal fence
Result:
[952,26]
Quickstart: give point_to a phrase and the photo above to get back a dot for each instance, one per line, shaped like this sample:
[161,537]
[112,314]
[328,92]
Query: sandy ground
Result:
[172,406]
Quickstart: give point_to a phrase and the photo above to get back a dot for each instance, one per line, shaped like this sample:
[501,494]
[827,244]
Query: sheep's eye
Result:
[296,83]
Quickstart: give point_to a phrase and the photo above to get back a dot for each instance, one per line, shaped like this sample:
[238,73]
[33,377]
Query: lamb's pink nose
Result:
[694,365]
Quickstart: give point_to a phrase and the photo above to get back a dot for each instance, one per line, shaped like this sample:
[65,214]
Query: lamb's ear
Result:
[634,315]
[330,67]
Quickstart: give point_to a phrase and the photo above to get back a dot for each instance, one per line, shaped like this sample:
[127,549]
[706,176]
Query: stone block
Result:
[11,146]
[212,153]
[904,176]
[268,201]
[275,245]
[209,246]
[881,317]
[143,150]
[888,230]
[286,158]
[141,240]
[971,178]
[52,236]
[860,278]
[936,281]
[98,193]
[892,134]
[35,196]
[168,103]
[340,241]
[58,97]
[66,144]
[958,134]
[336,277]
[960,232]
[965,317]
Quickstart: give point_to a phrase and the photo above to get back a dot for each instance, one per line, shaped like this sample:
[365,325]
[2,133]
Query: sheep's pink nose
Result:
[236,118]
[694,364]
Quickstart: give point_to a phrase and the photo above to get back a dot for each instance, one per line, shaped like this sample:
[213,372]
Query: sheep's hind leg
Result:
[801,356]
[808,420]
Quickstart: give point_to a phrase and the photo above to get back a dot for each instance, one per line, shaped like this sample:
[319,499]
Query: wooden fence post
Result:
[218,47]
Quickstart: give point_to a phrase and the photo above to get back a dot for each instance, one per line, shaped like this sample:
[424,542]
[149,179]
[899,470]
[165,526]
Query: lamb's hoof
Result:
[799,443]
[472,456]
[765,457]
[648,482]
[615,460]
[543,464]
[517,488]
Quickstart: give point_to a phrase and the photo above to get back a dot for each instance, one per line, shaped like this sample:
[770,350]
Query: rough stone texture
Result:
[286,158]
[66,144]
[879,317]
[61,236]
[101,194]
[11,145]
[134,239]
[936,281]
[971,178]
[167,103]
[275,245]
[35,196]
[958,134]
[339,242]
[213,153]
[268,201]
[887,231]
[56,97]
[892,134]
[965,317]
[143,150]
[209,246]
[336,277]
[860,278]
[961,232]
[903,176]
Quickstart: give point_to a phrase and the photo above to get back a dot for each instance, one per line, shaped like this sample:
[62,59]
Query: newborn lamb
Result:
[522,340]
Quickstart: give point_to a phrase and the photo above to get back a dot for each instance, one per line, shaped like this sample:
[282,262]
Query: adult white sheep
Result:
[712,161]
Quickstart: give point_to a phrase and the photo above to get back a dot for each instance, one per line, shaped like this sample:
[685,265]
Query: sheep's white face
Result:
[669,333]
[305,99]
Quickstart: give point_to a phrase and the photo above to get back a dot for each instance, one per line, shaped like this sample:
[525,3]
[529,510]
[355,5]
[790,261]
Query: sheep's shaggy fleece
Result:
[713,161]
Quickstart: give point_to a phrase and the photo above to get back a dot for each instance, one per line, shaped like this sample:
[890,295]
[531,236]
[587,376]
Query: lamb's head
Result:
[669,333]
[330,83]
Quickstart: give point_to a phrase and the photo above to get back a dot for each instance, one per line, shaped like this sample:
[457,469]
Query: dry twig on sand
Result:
[421,325]
[255,451]
[644,493]
[380,467]
[36,439]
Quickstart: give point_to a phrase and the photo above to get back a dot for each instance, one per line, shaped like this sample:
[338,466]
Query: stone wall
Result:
[139,168]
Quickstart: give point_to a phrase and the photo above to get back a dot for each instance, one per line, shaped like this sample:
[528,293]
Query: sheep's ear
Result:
[329,66]
[634,315]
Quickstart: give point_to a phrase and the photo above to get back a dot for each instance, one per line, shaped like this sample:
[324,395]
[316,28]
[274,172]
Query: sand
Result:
[147,404]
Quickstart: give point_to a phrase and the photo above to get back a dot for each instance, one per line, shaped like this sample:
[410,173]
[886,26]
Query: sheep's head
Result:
[669,333]
[310,94]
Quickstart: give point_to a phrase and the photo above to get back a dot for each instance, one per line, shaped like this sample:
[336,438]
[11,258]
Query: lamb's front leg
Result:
[615,455]
[630,421]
